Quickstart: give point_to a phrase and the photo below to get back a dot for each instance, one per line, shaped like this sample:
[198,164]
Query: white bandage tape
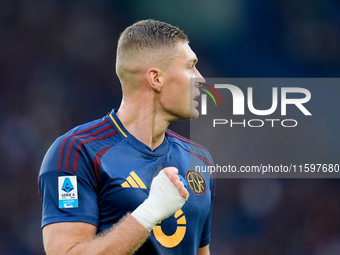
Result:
[163,201]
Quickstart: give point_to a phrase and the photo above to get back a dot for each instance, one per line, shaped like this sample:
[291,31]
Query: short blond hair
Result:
[148,35]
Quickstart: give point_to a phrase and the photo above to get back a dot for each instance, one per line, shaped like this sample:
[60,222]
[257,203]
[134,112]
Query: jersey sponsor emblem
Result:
[133,181]
[196,182]
[68,191]
[174,239]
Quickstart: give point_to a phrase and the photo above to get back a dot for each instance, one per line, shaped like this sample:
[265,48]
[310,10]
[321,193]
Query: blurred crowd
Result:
[57,71]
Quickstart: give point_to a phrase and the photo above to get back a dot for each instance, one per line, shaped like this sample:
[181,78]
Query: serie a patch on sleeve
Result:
[68,191]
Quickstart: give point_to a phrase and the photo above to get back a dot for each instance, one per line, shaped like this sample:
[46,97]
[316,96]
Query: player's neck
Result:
[143,122]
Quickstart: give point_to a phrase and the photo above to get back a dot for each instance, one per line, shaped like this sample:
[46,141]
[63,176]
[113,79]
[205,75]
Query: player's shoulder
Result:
[189,146]
[185,142]
[95,135]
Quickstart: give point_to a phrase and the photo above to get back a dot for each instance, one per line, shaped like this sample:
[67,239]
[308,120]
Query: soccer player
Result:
[117,185]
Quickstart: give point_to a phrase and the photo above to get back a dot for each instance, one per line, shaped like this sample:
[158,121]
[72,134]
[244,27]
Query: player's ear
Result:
[155,79]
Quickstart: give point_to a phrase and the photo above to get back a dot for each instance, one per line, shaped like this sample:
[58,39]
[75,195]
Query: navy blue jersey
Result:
[97,172]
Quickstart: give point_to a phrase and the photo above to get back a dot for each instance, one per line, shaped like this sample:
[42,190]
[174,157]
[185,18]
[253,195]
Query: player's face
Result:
[180,89]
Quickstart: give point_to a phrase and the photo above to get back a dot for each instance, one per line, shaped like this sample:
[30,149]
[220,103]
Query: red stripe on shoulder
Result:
[76,138]
[182,138]
[61,150]
[81,143]
[205,160]
[97,163]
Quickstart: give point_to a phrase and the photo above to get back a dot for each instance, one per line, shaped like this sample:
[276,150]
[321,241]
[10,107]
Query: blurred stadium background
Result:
[57,71]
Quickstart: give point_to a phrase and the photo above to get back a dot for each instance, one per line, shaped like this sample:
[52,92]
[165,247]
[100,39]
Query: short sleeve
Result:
[66,195]
[206,235]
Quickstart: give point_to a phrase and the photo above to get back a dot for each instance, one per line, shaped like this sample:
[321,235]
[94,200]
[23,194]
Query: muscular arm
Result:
[204,250]
[80,238]
[68,238]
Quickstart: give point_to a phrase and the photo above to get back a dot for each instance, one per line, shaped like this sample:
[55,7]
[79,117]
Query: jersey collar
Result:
[134,142]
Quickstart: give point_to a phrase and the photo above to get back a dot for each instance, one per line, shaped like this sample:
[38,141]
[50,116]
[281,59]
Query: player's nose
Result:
[199,76]
[199,79]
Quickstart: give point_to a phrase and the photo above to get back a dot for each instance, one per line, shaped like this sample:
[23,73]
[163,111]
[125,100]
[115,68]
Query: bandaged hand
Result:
[167,195]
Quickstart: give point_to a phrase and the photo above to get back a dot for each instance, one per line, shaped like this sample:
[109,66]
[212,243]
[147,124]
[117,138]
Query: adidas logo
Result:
[133,181]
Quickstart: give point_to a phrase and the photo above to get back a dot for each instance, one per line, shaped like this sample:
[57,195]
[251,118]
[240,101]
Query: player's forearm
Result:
[125,238]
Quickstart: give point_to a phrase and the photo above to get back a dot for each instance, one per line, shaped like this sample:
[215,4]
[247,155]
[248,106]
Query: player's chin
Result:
[194,113]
